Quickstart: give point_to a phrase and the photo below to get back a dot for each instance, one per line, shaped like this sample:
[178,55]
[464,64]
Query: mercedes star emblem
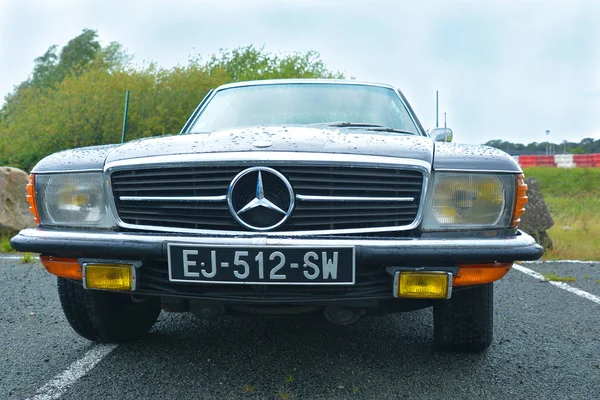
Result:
[260,198]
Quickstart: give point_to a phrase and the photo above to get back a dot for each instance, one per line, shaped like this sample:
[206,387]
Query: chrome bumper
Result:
[384,251]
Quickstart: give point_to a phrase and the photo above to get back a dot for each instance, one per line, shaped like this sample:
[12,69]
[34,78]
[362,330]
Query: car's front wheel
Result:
[465,322]
[105,316]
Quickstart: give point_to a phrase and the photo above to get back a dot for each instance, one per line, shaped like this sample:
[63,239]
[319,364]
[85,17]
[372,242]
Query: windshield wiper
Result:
[387,129]
[367,126]
[342,124]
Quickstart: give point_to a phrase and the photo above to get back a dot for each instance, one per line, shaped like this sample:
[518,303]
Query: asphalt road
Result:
[547,346]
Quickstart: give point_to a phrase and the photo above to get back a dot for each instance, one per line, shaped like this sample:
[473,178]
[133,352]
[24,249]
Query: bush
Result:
[86,106]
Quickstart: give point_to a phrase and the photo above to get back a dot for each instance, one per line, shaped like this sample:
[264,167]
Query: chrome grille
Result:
[327,197]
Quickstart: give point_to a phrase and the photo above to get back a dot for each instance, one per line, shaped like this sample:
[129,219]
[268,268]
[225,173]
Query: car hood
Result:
[289,139]
[448,156]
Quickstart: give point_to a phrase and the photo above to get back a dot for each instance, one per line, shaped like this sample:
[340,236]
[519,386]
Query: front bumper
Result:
[369,250]
[376,258]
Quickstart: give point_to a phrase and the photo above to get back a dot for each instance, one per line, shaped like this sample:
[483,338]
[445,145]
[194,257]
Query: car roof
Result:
[301,81]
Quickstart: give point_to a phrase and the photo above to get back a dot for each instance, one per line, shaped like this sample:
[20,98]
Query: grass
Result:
[556,278]
[285,393]
[26,258]
[248,389]
[573,198]
[5,244]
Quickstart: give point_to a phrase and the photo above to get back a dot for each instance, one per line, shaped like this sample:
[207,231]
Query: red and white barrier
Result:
[560,160]
[584,160]
[564,161]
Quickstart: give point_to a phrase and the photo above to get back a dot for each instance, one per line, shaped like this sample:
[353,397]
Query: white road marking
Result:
[63,381]
[560,285]
[9,257]
[560,262]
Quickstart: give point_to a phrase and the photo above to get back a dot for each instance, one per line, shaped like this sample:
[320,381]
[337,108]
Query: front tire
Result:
[106,317]
[465,322]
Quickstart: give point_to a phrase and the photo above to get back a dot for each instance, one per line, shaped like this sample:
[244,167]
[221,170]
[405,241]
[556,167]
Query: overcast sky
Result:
[505,69]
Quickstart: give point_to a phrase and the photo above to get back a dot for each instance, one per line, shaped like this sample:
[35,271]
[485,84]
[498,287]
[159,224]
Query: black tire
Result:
[106,317]
[465,322]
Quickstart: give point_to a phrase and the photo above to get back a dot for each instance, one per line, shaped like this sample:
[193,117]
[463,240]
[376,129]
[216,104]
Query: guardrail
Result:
[560,160]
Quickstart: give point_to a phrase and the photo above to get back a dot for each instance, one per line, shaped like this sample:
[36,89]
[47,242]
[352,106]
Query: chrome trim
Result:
[397,284]
[301,81]
[174,243]
[411,113]
[303,197]
[478,171]
[273,159]
[266,157]
[207,199]
[74,171]
[199,107]
[522,240]
[300,197]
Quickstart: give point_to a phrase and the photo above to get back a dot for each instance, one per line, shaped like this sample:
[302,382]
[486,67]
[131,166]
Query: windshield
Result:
[303,104]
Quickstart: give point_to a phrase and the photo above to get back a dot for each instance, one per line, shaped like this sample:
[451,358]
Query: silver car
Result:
[297,197]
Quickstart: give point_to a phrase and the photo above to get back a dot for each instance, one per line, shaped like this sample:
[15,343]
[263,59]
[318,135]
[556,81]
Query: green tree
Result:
[586,146]
[84,106]
[78,53]
[53,67]
[250,63]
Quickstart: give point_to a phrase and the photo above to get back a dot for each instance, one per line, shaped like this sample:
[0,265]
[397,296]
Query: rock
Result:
[14,210]
[543,239]
[537,219]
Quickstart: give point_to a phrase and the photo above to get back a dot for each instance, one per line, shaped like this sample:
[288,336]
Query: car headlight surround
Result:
[72,199]
[470,201]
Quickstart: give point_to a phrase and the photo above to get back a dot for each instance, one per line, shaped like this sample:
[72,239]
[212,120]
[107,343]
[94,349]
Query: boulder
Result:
[14,210]
[537,219]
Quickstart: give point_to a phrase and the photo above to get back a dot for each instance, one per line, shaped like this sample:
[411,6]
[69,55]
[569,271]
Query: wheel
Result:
[465,322]
[106,317]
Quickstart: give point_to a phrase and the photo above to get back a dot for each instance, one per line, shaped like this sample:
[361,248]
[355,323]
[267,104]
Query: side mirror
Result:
[441,134]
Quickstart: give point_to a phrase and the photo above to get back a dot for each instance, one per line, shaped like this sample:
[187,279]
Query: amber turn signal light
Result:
[477,274]
[63,267]
[520,200]
[31,199]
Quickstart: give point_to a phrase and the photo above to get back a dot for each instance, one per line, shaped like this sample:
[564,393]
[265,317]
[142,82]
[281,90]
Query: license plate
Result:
[270,265]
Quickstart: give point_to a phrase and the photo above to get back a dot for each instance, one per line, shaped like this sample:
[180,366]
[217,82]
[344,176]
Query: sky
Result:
[504,69]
